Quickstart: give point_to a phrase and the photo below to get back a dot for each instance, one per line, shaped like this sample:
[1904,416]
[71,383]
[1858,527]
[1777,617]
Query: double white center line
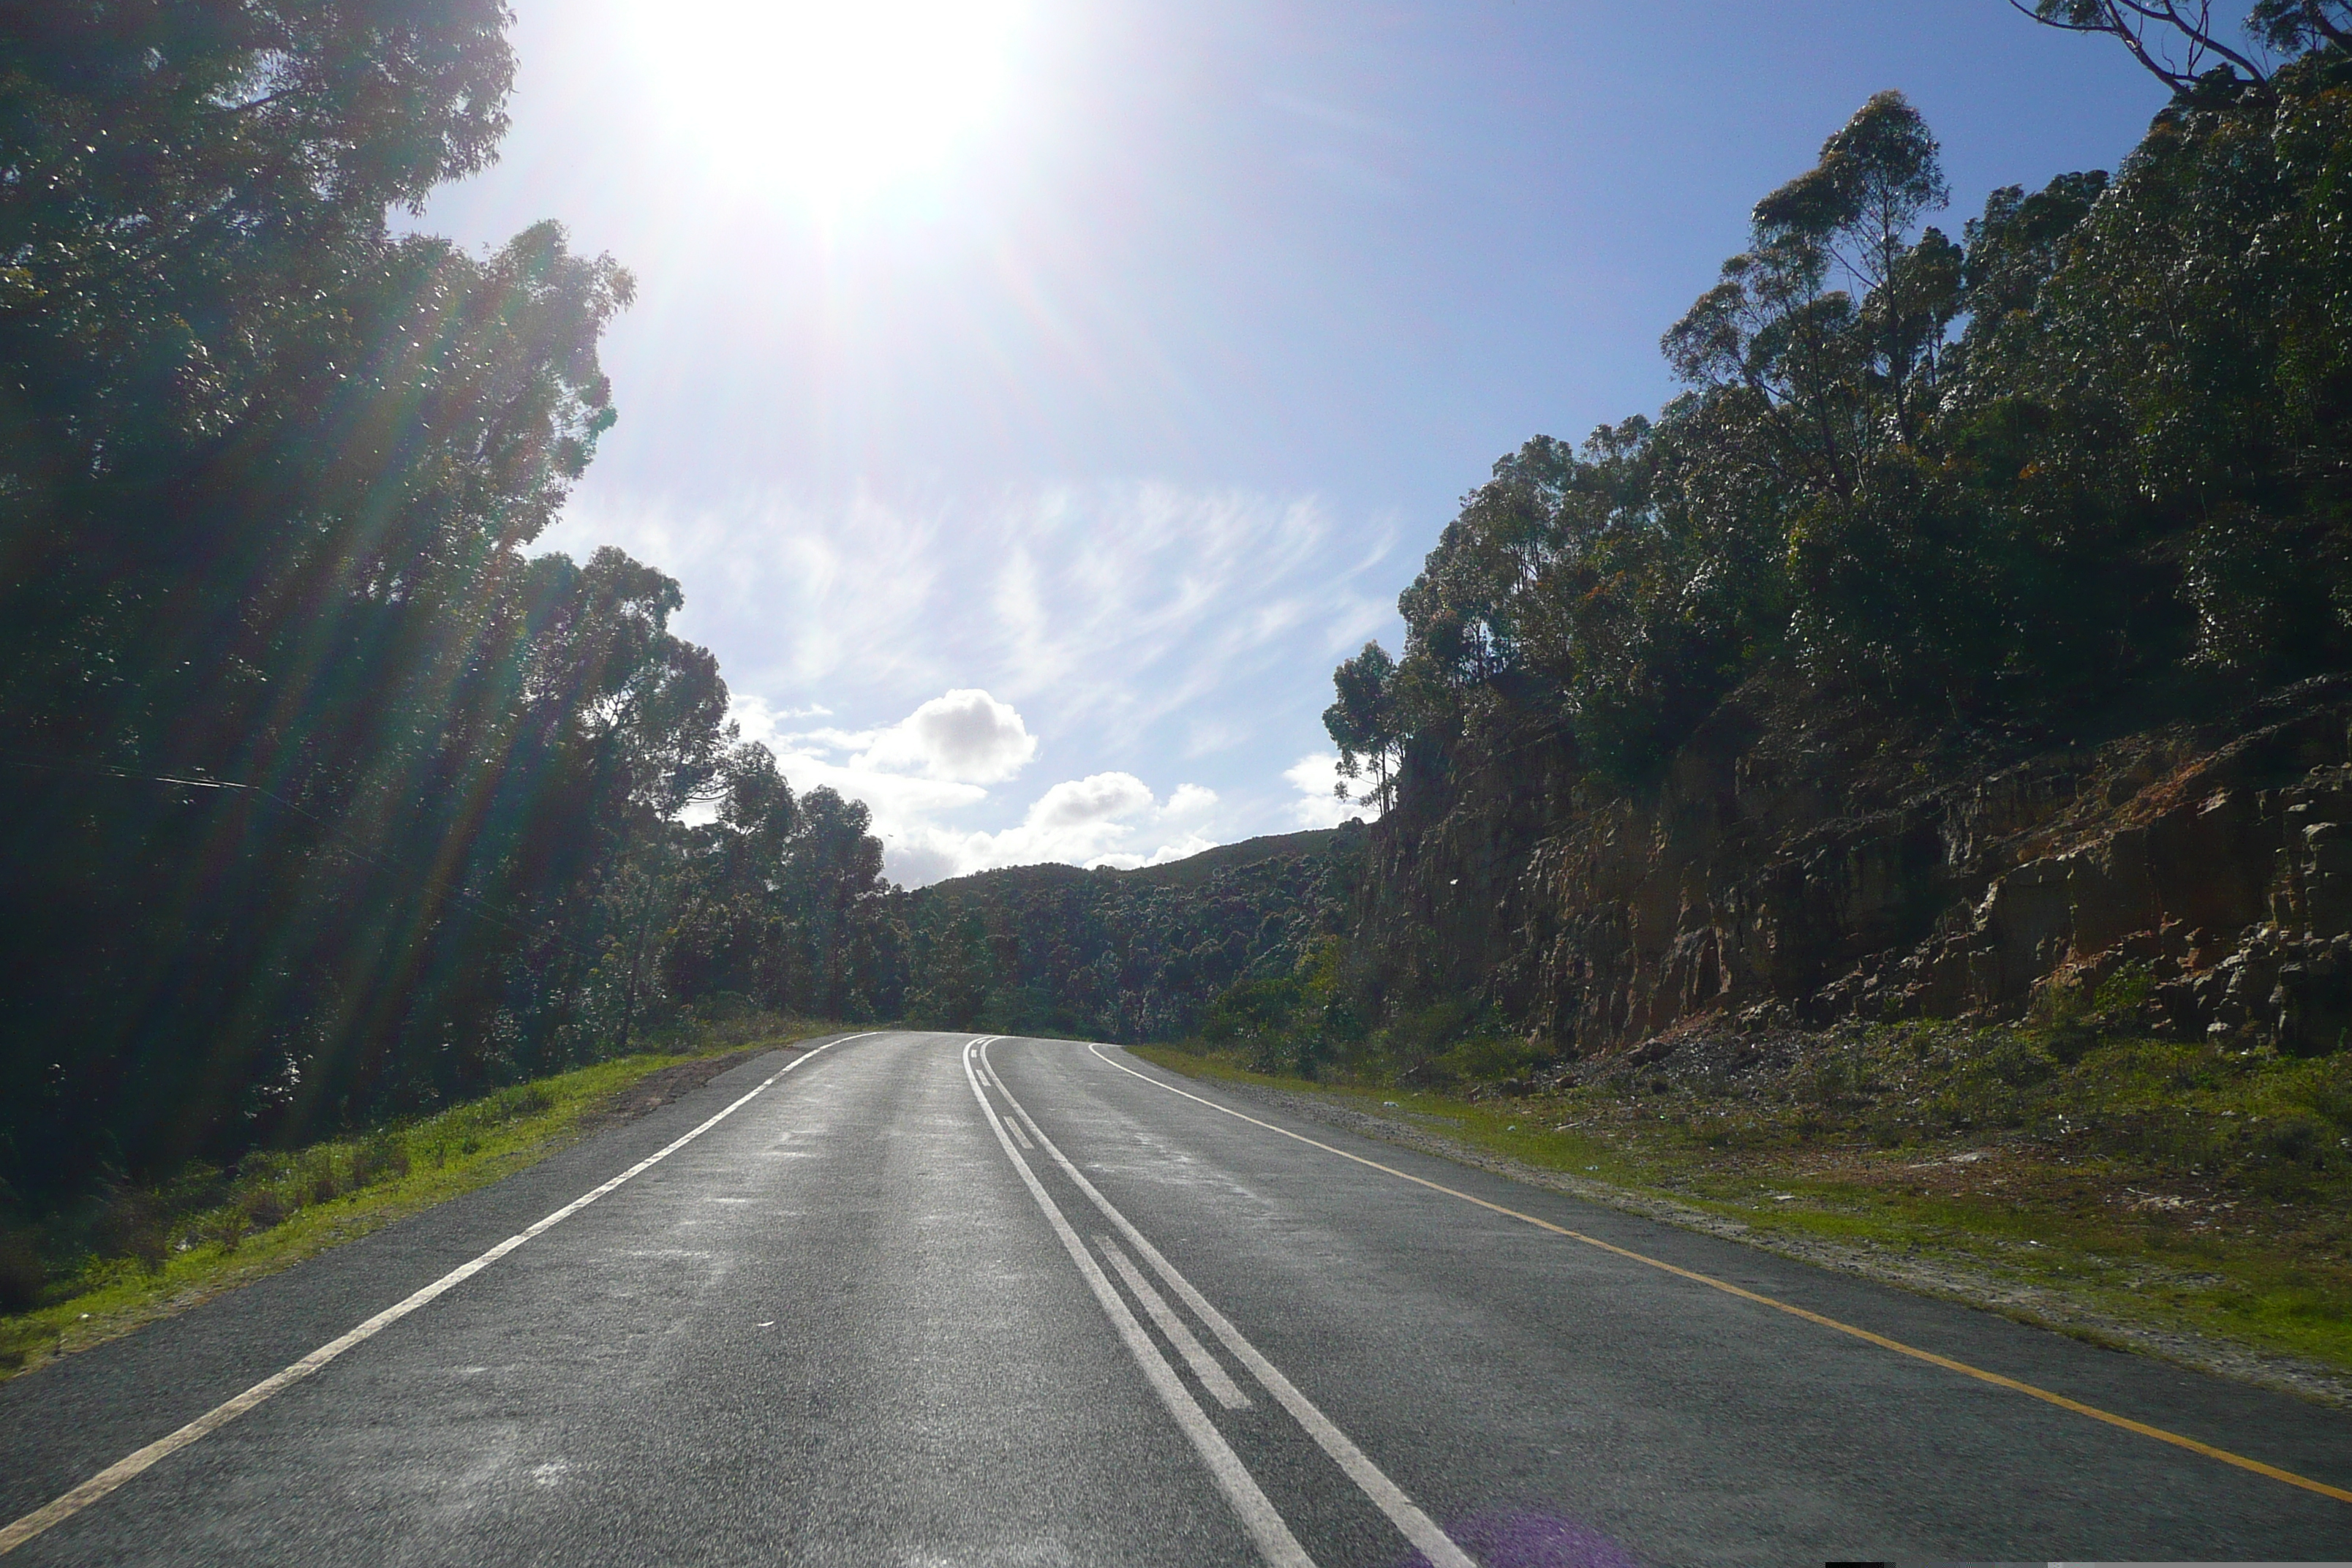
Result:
[1259,1515]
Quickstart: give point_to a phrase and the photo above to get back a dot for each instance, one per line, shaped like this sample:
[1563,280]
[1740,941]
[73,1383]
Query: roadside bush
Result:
[2330,1097]
[225,1226]
[317,1181]
[2015,1063]
[130,1224]
[2295,1141]
[1832,1082]
[1482,1058]
[523,1099]
[22,1276]
[378,1158]
[264,1207]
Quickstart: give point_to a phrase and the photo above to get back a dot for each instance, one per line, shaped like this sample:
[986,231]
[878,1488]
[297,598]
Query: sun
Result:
[833,102]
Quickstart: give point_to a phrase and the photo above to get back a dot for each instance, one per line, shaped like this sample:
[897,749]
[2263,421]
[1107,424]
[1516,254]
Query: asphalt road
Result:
[919,1302]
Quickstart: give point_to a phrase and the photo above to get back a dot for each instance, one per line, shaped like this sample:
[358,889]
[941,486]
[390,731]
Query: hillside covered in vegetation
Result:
[1967,633]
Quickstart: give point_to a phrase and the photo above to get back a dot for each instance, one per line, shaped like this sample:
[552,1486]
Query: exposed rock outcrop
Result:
[1805,872]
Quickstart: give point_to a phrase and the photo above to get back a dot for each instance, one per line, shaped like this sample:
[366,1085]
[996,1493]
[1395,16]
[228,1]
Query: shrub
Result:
[378,1158]
[264,1207]
[317,1181]
[2295,1141]
[2017,1064]
[22,1276]
[130,1224]
[523,1099]
[225,1226]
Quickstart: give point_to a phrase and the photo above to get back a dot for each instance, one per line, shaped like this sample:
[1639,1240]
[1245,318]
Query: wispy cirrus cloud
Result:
[1109,631]
[1113,604]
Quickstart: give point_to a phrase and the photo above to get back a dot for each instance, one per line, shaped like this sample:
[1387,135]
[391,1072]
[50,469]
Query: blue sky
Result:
[1034,422]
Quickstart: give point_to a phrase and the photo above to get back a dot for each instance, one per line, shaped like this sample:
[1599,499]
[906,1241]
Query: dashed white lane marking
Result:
[1015,1123]
[1386,1495]
[1258,1513]
[1204,1366]
[131,1465]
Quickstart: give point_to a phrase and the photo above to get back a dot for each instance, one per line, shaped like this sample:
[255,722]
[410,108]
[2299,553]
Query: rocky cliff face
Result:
[1805,869]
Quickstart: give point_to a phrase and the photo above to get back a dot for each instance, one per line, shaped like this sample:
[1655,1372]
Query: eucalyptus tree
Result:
[2182,44]
[313,775]
[1365,725]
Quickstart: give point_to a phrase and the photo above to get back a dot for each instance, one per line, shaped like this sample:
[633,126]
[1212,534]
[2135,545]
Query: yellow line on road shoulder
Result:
[1729,1289]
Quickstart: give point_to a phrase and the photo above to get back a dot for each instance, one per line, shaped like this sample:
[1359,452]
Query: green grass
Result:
[2161,1187]
[157,1251]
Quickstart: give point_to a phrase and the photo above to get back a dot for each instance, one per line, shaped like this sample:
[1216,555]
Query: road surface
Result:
[920,1299]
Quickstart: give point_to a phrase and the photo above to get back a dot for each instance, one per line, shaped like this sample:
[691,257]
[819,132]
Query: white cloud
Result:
[1086,803]
[1112,607]
[931,766]
[894,798]
[966,735]
[919,654]
[1189,801]
[1103,819]
[1314,777]
[1191,844]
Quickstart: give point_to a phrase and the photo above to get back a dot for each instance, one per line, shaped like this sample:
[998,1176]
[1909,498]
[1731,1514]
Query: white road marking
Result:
[1387,1495]
[1265,1526]
[1204,1366]
[1015,1123]
[129,1466]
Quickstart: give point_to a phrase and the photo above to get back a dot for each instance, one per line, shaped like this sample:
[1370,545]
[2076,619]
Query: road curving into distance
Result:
[917,1299]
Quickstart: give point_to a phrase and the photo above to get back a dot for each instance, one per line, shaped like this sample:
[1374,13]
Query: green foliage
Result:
[2099,449]
[1129,955]
[22,1274]
[1295,1023]
[1363,723]
[322,798]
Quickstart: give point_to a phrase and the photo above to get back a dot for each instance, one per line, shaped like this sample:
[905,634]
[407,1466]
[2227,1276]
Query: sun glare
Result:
[830,101]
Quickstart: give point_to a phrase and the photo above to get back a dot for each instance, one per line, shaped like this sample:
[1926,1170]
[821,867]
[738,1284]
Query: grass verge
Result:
[2184,1200]
[149,1253]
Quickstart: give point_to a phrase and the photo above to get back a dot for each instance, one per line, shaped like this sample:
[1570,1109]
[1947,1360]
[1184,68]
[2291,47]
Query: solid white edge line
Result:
[1204,1366]
[1386,1495]
[1256,1510]
[129,1466]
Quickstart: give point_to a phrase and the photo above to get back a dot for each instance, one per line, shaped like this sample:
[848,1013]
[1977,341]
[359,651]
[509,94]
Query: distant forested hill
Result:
[1125,956]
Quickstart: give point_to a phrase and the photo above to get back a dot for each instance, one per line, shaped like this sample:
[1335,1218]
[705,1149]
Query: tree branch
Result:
[2129,21]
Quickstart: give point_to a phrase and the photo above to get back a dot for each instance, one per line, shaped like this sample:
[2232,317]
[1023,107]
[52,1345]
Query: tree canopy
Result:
[321,796]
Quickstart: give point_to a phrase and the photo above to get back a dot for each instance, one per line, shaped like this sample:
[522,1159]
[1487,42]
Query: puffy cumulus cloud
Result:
[1316,777]
[1103,819]
[966,735]
[1188,802]
[1089,801]
[812,759]
[918,775]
